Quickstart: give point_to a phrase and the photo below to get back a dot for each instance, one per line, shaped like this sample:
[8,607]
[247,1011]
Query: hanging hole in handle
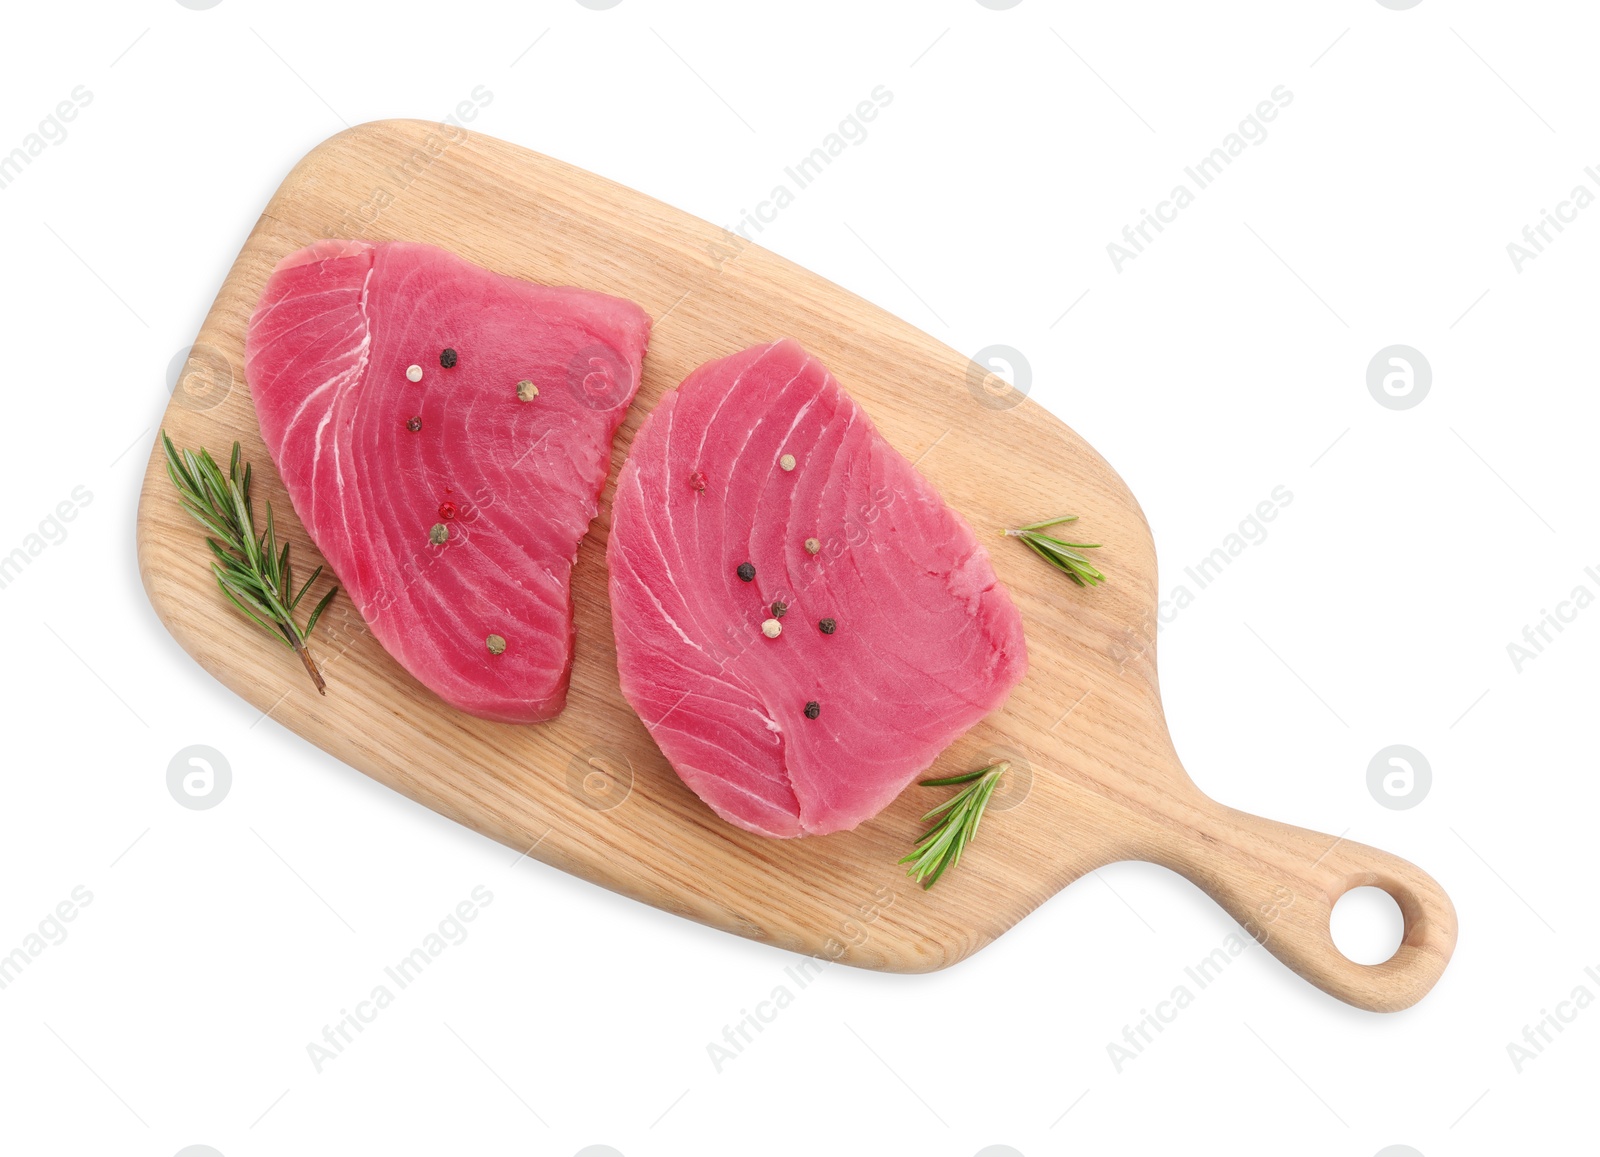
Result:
[1367,925]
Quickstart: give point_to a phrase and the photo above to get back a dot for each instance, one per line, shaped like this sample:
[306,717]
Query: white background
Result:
[1228,359]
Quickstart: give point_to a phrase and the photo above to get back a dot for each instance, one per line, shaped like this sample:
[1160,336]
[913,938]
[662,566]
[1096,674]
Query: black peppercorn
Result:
[779,609]
[414,425]
[746,572]
[827,626]
[813,709]
[447,359]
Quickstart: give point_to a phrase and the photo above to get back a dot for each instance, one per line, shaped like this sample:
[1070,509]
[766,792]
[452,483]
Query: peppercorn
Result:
[812,546]
[439,535]
[447,359]
[779,609]
[827,626]
[414,425]
[496,645]
[813,709]
[746,572]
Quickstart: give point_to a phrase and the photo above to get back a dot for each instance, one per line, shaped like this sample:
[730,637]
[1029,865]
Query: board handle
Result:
[1281,882]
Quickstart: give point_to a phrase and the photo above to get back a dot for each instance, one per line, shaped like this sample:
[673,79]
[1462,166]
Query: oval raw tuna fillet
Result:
[451,507]
[924,640]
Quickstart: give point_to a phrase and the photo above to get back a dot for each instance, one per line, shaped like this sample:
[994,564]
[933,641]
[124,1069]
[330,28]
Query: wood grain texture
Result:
[1096,779]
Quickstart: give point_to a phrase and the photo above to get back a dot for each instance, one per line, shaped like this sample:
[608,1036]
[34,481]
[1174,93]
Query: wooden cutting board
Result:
[1095,778]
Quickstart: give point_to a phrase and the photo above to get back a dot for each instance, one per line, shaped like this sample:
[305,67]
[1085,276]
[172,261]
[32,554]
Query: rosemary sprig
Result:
[251,570]
[1066,557]
[955,822]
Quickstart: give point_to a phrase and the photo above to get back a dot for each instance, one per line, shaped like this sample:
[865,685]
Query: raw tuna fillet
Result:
[444,433]
[894,635]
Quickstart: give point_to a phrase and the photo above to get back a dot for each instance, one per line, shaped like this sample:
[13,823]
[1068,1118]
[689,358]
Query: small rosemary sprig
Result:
[250,569]
[955,822]
[1064,556]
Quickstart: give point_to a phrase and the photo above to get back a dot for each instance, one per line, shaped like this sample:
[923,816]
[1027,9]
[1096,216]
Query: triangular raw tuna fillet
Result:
[895,634]
[444,433]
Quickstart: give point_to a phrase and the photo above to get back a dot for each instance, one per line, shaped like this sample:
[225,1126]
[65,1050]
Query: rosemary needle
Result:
[1067,557]
[250,569]
[955,822]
